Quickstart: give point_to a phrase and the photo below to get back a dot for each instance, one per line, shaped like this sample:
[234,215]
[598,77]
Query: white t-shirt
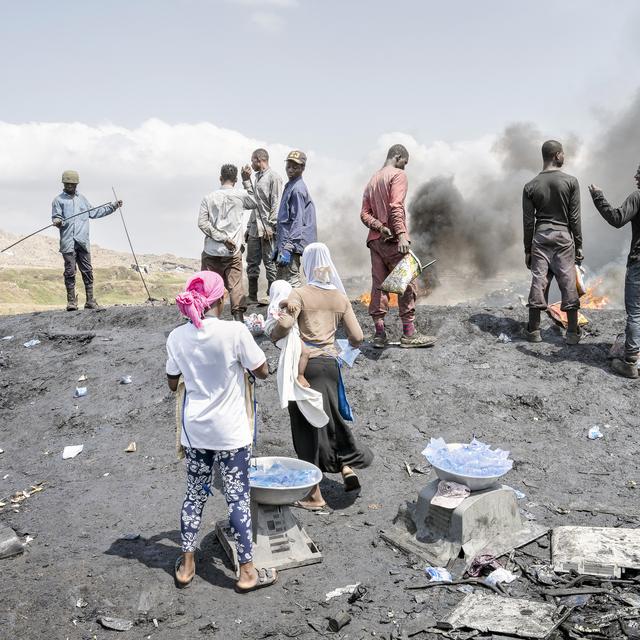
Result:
[212,362]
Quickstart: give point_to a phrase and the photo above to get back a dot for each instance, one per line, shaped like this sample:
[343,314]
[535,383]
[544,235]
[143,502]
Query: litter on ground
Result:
[512,616]
[10,544]
[341,591]
[595,433]
[599,551]
[72,451]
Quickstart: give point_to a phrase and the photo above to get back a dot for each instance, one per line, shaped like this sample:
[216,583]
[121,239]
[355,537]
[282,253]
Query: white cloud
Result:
[278,4]
[162,171]
[268,21]
[264,14]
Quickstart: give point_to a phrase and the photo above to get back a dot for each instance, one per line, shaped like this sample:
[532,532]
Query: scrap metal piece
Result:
[510,616]
[599,551]
[117,624]
[10,544]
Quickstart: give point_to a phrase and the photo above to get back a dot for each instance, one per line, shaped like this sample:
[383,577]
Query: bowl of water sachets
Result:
[278,480]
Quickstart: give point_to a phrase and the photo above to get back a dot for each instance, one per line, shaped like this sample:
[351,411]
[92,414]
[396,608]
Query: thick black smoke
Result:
[479,232]
[613,159]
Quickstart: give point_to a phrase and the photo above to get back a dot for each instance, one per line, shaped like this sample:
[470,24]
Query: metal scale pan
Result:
[279,541]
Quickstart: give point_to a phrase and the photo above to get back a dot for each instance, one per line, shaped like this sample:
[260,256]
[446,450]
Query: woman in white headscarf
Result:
[292,386]
[320,308]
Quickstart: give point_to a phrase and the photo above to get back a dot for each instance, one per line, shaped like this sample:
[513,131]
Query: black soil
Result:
[536,400]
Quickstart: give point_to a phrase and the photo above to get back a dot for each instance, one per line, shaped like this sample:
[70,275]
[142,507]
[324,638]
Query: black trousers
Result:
[333,446]
[81,258]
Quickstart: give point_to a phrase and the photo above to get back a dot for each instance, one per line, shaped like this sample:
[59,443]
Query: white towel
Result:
[308,400]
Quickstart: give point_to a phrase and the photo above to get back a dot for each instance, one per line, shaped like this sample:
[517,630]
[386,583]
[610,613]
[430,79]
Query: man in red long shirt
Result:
[388,241]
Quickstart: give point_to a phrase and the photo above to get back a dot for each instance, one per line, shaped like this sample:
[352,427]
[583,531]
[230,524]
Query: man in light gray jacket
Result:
[220,219]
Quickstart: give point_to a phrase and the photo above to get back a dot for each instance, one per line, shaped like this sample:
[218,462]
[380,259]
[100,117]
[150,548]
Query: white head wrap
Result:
[279,291]
[319,268]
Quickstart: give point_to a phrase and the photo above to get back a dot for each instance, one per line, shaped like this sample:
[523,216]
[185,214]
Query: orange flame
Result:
[365,298]
[591,301]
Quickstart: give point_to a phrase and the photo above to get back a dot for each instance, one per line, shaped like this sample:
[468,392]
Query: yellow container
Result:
[404,273]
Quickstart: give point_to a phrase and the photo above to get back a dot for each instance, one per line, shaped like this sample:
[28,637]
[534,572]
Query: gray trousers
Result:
[632,307]
[291,272]
[260,251]
[81,258]
[553,254]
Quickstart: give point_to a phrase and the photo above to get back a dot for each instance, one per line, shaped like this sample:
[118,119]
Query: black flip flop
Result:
[298,505]
[351,481]
[179,584]
[266,577]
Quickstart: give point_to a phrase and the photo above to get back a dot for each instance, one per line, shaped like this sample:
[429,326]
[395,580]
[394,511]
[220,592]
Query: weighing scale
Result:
[488,521]
[279,541]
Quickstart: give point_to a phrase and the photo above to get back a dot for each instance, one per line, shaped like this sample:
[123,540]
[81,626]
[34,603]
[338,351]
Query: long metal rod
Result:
[124,224]
[51,225]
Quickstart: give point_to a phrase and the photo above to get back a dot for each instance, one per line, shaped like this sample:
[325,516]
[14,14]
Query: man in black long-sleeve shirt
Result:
[629,211]
[552,239]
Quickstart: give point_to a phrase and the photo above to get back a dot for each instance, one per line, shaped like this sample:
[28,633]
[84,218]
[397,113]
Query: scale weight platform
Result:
[279,541]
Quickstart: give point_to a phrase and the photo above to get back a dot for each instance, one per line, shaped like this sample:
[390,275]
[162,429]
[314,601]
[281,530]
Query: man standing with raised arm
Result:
[261,232]
[67,215]
[296,220]
[629,211]
[552,239]
[383,212]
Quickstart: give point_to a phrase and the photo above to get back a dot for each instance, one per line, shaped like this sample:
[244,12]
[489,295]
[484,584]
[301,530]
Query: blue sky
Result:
[325,74]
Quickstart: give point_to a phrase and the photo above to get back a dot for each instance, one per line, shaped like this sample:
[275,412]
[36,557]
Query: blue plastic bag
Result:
[343,404]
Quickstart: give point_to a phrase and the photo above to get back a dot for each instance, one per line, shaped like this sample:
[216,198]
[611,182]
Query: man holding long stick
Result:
[66,214]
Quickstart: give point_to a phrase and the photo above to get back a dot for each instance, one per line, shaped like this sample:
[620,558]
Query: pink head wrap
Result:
[202,291]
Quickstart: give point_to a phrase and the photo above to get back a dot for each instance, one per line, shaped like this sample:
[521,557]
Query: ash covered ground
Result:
[538,401]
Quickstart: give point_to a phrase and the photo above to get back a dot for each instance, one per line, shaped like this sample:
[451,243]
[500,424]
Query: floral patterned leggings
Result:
[234,469]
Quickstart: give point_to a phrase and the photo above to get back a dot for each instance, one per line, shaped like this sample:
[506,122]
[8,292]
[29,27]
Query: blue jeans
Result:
[234,469]
[632,306]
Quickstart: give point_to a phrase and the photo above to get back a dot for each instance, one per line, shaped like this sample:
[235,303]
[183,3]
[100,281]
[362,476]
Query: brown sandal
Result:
[179,583]
[266,577]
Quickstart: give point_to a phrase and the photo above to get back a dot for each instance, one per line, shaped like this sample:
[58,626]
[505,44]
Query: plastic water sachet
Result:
[438,574]
[277,475]
[595,433]
[475,459]
[255,323]
[348,354]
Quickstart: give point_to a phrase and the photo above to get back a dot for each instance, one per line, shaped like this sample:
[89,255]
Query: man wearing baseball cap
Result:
[296,226]
[74,236]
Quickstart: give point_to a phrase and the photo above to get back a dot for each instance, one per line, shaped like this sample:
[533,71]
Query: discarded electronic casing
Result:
[598,551]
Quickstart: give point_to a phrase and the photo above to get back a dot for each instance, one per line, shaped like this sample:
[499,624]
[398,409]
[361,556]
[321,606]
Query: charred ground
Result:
[538,401]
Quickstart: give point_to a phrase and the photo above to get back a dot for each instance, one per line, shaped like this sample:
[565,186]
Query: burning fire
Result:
[365,298]
[587,301]
[591,301]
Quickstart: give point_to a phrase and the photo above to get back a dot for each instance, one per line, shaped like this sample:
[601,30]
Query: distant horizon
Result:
[176,89]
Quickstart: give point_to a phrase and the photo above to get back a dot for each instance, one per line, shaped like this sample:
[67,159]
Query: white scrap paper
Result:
[72,451]
[348,354]
[341,591]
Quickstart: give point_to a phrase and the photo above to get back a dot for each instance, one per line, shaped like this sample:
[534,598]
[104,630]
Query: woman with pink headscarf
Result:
[211,355]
